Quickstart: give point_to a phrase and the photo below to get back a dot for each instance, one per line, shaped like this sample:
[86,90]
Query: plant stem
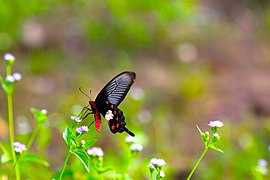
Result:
[11,134]
[198,162]
[11,127]
[65,164]
[34,134]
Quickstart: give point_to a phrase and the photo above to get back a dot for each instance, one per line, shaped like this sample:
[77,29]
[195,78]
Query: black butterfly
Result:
[107,102]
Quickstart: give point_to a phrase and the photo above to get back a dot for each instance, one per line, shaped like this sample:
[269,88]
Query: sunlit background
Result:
[195,61]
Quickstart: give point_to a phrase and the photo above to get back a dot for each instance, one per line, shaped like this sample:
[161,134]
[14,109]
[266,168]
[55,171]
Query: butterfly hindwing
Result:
[114,117]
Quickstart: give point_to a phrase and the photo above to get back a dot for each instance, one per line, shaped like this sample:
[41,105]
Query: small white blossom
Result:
[44,111]
[157,162]
[151,166]
[82,129]
[9,57]
[262,163]
[216,135]
[262,166]
[131,139]
[162,174]
[217,123]
[10,79]
[95,151]
[83,142]
[76,118]
[136,147]
[17,76]
[18,147]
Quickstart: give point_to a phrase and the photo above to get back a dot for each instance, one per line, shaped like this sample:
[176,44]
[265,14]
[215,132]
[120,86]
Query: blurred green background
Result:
[195,61]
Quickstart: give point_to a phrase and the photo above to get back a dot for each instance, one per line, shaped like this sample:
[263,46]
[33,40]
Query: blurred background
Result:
[195,60]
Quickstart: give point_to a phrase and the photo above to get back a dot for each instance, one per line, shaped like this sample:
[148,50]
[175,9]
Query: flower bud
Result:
[205,136]
[215,138]
[9,58]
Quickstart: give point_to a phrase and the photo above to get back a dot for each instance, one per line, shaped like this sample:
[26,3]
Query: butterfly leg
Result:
[85,112]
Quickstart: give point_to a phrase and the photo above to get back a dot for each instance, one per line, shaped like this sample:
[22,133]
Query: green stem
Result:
[65,164]
[11,127]
[198,162]
[34,134]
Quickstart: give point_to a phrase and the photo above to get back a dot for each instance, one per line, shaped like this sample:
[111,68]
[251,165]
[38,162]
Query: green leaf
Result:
[84,158]
[89,143]
[212,146]
[6,158]
[31,157]
[67,136]
[200,131]
[7,86]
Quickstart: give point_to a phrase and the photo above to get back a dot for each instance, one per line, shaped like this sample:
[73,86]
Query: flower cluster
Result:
[18,147]
[136,147]
[82,129]
[156,165]
[13,78]
[131,139]
[133,145]
[10,58]
[76,118]
[95,151]
[215,125]
[262,166]
[44,111]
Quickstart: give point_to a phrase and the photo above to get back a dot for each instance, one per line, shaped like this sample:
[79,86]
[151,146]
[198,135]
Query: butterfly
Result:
[108,100]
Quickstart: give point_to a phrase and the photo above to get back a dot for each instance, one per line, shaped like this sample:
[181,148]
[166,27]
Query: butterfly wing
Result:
[115,118]
[116,90]
[110,97]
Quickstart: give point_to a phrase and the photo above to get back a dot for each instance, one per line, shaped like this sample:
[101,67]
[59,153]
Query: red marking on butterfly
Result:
[108,100]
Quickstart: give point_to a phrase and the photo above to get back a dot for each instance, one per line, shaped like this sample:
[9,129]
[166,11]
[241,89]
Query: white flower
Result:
[10,79]
[14,77]
[136,147]
[83,142]
[262,163]
[18,147]
[82,129]
[131,139]
[162,174]
[262,166]
[217,123]
[76,118]
[151,166]
[95,151]
[157,162]
[9,57]
[44,111]
[109,115]
[17,76]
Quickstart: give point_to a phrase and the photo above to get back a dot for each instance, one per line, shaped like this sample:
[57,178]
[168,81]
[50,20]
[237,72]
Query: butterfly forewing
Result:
[116,90]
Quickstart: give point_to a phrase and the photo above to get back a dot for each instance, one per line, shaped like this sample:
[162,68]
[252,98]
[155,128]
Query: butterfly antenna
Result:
[80,89]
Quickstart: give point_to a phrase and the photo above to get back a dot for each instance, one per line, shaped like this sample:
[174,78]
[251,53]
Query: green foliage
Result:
[84,158]
[33,158]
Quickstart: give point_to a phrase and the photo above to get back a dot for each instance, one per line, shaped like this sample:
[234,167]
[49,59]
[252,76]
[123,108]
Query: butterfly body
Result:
[107,102]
